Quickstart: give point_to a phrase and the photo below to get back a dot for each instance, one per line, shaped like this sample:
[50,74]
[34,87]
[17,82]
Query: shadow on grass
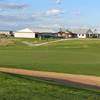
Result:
[54,83]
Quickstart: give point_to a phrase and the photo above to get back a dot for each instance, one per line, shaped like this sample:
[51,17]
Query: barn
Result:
[24,33]
[34,33]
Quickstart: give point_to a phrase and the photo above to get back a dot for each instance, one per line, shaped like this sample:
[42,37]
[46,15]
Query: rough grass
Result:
[34,41]
[16,87]
[6,42]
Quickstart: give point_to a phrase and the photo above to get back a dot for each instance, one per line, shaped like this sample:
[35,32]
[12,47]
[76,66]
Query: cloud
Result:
[48,14]
[54,12]
[12,6]
[12,22]
[77,12]
[16,18]
[58,1]
[38,14]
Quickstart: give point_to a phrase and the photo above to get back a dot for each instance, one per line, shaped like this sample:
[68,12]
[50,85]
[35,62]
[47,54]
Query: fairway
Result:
[72,56]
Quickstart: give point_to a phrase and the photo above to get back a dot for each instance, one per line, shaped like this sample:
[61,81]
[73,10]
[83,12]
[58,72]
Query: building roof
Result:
[37,30]
[96,31]
[80,30]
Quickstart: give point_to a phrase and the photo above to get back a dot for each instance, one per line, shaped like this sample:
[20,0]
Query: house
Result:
[34,33]
[63,33]
[82,33]
[67,34]
[97,33]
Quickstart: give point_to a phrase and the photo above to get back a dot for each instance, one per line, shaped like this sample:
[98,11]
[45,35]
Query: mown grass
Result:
[16,87]
[72,56]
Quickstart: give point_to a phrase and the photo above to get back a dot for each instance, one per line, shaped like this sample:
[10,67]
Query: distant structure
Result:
[62,33]
[35,33]
[82,33]
[66,34]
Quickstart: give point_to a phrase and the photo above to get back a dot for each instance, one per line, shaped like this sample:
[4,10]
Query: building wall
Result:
[24,35]
[81,35]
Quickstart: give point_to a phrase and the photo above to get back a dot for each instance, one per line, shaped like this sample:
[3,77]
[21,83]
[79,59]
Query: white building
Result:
[32,32]
[24,33]
[82,33]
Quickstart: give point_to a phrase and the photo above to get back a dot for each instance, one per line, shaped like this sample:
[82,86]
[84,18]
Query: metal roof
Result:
[80,31]
[96,31]
[39,30]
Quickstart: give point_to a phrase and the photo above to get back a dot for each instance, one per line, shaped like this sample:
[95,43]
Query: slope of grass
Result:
[16,87]
[73,56]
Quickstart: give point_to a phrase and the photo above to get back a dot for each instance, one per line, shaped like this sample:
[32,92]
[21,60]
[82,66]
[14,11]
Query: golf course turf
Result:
[72,56]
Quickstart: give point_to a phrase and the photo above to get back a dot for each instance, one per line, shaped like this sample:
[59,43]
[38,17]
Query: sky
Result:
[17,14]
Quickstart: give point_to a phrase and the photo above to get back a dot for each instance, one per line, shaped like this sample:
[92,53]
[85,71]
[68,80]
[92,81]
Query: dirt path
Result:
[81,81]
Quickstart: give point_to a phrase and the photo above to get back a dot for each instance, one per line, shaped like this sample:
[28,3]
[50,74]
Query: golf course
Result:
[78,56]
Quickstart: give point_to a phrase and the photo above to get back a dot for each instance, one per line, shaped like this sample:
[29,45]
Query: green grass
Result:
[35,41]
[73,56]
[16,87]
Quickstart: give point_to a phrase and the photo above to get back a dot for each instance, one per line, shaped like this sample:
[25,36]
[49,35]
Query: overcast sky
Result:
[15,14]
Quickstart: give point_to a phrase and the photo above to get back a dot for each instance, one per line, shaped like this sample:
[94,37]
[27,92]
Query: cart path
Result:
[45,43]
[83,81]
[49,42]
